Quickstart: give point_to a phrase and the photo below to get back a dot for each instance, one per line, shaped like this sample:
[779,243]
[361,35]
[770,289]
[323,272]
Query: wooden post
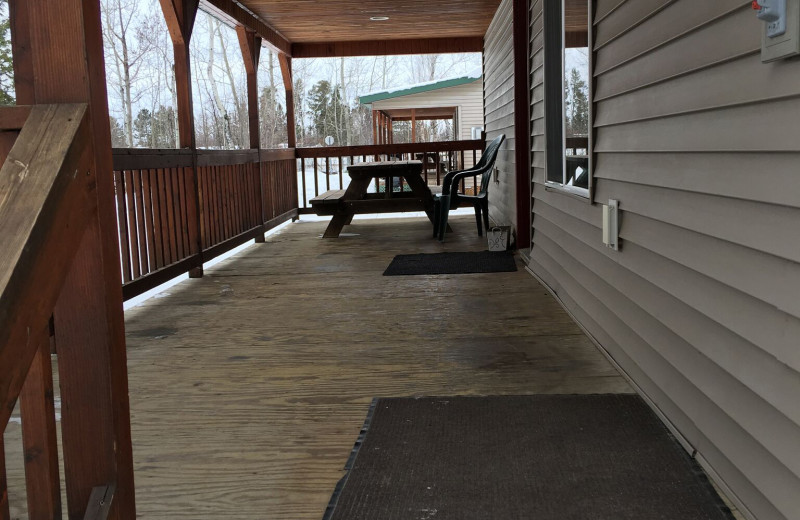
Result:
[285,62]
[88,316]
[39,437]
[250,44]
[413,125]
[522,134]
[288,83]
[180,16]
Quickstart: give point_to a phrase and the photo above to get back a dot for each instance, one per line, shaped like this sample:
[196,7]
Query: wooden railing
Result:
[47,196]
[323,168]
[173,214]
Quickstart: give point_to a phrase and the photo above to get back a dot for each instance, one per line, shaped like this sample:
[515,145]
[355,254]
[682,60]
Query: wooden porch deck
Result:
[249,386]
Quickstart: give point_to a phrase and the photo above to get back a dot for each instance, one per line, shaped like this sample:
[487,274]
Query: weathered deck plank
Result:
[249,386]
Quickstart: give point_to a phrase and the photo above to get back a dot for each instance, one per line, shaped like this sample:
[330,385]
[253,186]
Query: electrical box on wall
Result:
[781,32]
[611,224]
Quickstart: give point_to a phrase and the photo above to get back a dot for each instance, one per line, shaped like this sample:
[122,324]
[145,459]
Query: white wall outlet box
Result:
[611,224]
[781,32]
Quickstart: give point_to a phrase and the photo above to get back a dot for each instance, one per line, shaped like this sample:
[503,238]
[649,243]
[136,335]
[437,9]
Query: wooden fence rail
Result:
[173,215]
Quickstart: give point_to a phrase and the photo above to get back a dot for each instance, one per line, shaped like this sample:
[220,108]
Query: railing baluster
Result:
[122,226]
[39,437]
[425,165]
[316,178]
[327,173]
[187,246]
[226,200]
[130,207]
[216,217]
[176,205]
[163,203]
[438,173]
[236,180]
[341,173]
[202,187]
[220,174]
[156,196]
[303,178]
[142,245]
[148,220]
[168,174]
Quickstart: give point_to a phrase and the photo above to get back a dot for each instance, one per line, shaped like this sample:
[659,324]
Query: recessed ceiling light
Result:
[378,18]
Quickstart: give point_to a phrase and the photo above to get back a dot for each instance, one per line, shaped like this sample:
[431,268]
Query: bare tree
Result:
[127,52]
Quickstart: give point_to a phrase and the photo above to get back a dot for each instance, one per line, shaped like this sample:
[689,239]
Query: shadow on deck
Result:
[249,386]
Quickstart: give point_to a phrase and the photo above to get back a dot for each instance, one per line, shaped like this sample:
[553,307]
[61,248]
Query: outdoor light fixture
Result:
[378,18]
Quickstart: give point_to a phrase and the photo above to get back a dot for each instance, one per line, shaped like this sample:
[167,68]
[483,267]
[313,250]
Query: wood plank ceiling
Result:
[349,20]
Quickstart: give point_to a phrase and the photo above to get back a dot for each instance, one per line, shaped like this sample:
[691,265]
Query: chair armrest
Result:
[474,172]
[447,181]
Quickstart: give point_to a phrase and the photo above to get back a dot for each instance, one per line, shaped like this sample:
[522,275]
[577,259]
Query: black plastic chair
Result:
[451,198]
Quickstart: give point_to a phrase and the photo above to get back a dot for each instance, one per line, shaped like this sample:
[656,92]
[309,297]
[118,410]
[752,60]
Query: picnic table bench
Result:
[343,204]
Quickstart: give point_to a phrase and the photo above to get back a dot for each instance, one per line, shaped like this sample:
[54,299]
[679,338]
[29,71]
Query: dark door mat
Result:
[452,263]
[542,457]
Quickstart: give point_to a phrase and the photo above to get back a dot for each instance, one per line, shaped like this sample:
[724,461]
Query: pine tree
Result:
[580,104]
[117,134]
[143,129]
[319,107]
[162,127]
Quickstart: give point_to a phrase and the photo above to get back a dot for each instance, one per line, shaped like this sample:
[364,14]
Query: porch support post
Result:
[180,16]
[288,83]
[522,133]
[413,125]
[88,317]
[250,45]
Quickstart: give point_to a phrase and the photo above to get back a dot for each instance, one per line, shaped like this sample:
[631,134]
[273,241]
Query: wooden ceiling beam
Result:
[232,11]
[387,47]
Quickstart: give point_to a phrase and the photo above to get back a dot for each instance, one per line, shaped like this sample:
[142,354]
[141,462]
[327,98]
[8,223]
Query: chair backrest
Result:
[490,154]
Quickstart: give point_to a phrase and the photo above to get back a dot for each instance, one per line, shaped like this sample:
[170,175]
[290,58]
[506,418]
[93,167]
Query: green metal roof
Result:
[416,89]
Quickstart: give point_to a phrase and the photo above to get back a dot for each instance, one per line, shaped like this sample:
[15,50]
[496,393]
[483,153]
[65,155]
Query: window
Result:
[567,77]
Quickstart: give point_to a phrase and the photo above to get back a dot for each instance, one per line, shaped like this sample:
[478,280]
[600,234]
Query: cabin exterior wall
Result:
[698,140]
[498,98]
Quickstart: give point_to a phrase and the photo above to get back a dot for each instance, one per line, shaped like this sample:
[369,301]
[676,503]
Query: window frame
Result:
[555,114]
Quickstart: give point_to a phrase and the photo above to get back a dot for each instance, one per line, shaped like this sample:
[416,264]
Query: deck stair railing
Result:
[47,196]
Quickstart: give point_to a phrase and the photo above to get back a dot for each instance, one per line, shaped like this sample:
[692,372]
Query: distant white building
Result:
[459,99]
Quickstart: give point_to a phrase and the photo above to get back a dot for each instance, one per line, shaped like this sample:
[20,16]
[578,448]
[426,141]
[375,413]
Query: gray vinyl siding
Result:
[498,73]
[700,143]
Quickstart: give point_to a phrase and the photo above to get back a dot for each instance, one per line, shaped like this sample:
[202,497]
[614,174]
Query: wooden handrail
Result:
[154,158]
[382,149]
[47,194]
